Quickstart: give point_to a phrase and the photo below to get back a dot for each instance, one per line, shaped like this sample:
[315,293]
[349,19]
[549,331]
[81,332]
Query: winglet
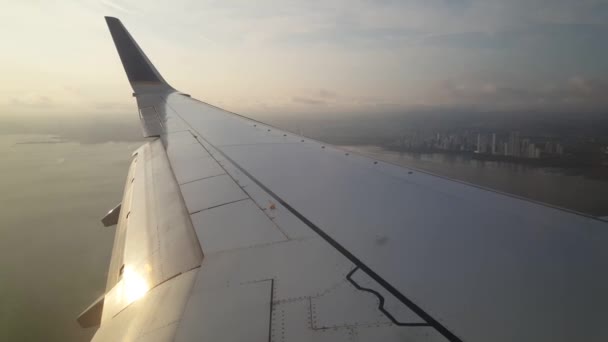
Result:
[138,67]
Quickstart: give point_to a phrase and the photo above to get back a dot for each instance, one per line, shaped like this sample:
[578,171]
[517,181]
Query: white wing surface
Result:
[234,230]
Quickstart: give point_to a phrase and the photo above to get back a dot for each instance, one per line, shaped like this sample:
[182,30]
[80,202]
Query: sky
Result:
[332,56]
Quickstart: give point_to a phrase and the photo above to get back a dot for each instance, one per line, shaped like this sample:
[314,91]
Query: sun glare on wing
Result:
[135,286]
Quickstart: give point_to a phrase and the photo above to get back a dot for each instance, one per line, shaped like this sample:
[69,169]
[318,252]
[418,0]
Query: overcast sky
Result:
[311,56]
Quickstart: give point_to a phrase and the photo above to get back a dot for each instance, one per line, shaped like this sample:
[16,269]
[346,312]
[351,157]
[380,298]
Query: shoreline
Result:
[539,162]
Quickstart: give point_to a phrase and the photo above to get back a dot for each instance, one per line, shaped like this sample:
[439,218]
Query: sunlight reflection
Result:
[135,286]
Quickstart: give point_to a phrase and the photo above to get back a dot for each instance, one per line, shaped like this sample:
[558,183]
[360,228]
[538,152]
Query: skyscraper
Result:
[514,144]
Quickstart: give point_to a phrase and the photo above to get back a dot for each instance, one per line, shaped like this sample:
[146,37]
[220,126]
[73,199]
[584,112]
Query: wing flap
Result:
[91,316]
[112,216]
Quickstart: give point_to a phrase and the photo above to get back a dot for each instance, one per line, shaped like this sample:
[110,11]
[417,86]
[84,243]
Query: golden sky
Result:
[311,56]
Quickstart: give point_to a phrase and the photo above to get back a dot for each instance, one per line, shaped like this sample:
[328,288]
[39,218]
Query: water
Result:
[54,252]
[584,190]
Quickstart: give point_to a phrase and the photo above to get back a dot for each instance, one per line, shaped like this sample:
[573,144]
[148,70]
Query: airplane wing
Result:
[233,230]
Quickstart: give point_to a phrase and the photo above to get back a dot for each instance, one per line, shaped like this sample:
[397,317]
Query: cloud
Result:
[589,87]
[113,106]
[352,36]
[31,100]
[462,23]
[319,97]
[476,40]
[327,94]
[307,101]
[113,5]
[382,53]
[574,93]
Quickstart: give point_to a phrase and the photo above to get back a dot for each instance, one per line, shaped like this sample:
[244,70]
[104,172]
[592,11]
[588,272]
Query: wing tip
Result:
[137,66]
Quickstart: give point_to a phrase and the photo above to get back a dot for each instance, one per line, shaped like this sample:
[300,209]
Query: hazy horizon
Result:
[287,57]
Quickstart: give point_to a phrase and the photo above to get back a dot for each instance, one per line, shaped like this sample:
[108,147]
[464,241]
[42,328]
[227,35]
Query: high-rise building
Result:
[525,143]
[514,144]
[481,143]
[530,151]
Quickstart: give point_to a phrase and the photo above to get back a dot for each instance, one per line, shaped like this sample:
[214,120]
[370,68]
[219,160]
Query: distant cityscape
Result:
[516,146]
[540,138]
[511,146]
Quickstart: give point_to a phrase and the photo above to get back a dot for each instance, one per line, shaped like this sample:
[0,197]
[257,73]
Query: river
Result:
[580,189]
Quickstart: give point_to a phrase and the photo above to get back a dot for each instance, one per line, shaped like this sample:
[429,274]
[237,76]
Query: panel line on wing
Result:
[381,302]
[195,180]
[236,182]
[381,281]
[219,205]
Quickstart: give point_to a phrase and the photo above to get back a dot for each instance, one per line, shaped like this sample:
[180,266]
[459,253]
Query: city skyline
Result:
[507,146]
